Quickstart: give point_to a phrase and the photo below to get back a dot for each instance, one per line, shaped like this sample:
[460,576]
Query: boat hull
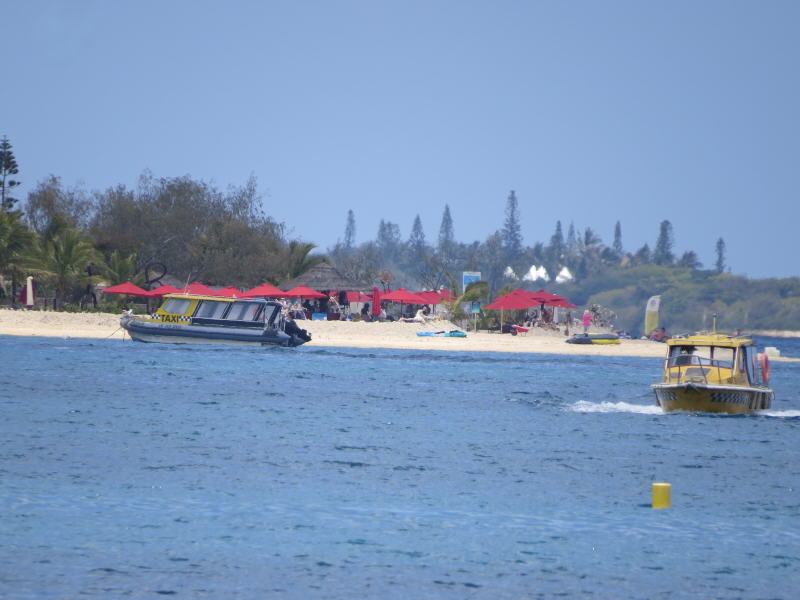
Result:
[173,333]
[729,399]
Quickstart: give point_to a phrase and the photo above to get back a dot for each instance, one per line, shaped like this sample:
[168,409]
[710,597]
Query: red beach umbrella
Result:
[403,296]
[127,288]
[430,297]
[162,290]
[376,302]
[548,298]
[302,291]
[266,290]
[511,302]
[357,297]
[199,289]
[562,303]
[229,292]
[446,295]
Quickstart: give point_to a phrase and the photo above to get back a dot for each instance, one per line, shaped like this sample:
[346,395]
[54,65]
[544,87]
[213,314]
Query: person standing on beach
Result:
[587,320]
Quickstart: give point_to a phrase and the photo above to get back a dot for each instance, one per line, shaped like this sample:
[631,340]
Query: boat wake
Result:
[615,407]
[781,414]
[584,406]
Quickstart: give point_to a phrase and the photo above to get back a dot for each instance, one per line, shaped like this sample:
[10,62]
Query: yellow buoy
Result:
[661,495]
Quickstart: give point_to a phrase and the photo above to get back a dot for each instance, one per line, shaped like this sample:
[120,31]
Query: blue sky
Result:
[592,112]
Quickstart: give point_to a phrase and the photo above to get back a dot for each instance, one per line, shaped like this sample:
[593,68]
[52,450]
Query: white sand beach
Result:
[339,334]
[401,336]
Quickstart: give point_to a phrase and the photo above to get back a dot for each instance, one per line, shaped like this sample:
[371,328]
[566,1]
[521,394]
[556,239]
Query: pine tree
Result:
[689,260]
[350,231]
[512,236]
[416,241]
[719,265]
[388,241]
[643,255]
[557,239]
[8,167]
[572,238]
[555,251]
[617,245]
[446,235]
[662,254]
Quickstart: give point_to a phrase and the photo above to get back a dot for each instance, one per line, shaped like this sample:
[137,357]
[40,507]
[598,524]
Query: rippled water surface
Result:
[142,470]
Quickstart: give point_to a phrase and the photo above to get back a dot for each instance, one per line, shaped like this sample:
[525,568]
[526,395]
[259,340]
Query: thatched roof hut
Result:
[324,277]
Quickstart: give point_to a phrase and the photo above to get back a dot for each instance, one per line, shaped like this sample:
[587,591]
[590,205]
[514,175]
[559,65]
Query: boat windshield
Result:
[176,306]
[211,309]
[244,311]
[714,356]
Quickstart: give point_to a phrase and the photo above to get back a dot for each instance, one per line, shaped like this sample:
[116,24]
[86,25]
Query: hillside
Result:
[690,297]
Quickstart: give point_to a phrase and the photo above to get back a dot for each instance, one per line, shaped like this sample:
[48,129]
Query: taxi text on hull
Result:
[190,319]
[714,373]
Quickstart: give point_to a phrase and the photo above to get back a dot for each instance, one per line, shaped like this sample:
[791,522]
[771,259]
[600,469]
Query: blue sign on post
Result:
[468,277]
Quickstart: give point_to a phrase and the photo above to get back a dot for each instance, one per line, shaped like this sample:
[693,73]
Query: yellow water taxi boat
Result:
[191,319]
[714,373]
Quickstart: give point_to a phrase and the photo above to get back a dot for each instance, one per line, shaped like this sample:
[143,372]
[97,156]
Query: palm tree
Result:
[61,257]
[297,259]
[15,238]
[119,269]
[477,290]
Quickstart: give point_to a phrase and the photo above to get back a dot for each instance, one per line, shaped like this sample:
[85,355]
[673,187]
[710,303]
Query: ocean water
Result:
[141,470]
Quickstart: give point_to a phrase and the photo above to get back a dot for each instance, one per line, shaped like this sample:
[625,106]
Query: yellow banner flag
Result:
[651,314]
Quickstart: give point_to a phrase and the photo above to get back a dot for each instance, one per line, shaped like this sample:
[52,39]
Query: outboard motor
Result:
[299,336]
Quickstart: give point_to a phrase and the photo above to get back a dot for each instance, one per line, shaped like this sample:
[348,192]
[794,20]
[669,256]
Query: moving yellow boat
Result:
[714,373]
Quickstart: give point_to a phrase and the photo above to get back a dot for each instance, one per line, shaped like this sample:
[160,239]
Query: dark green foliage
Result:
[446,235]
[662,253]
[389,241]
[689,298]
[50,200]
[512,231]
[416,241]
[720,251]
[350,231]
[197,231]
[617,245]
[8,168]
[689,260]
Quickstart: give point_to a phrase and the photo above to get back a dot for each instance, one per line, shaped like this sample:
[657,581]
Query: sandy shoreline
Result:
[401,336]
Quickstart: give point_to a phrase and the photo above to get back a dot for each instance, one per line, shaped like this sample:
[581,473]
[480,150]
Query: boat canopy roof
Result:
[711,339]
[218,298]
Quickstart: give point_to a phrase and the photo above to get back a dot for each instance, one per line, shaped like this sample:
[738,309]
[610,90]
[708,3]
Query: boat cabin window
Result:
[211,309]
[751,365]
[270,312]
[244,311]
[715,356]
[176,306]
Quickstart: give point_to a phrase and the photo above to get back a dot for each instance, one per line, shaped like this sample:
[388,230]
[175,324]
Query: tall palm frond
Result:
[119,269]
[15,239]
[298,260]
[61,260]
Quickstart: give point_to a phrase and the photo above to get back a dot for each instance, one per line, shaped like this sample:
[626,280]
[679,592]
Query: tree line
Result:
[579,265]
[502,258]
[69,238]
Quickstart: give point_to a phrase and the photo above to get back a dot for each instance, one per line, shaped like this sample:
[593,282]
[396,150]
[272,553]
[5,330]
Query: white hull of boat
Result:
[197,334]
